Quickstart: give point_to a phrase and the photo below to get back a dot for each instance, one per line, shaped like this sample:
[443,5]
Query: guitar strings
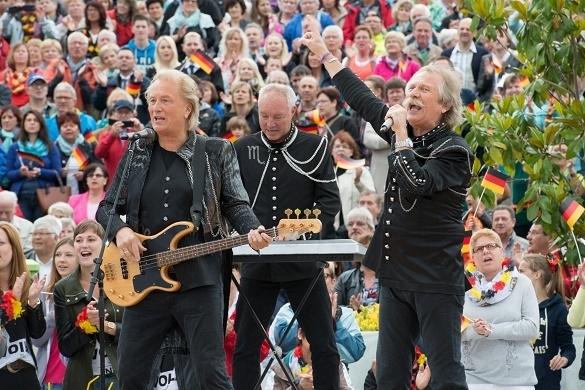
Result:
[151,261]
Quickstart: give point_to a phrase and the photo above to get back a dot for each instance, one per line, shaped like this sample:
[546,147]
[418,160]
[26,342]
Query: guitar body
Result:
[127,283]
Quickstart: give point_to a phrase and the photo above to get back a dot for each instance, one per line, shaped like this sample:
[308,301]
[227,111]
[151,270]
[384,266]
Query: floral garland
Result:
[298,353]
[83,323]
[368,318]
[498,284]
[17,80]
[11,307]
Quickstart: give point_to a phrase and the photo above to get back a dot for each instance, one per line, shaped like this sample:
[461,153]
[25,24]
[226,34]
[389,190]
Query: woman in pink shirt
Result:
[395,63]
[85,205]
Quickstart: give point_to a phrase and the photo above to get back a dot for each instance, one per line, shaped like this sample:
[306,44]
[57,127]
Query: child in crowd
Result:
[236,128]
[554,349]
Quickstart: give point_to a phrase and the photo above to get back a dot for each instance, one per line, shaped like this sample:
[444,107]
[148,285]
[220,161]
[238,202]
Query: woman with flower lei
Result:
[501,317]
[21,313]
[300,365]
[77,320]
[16,74]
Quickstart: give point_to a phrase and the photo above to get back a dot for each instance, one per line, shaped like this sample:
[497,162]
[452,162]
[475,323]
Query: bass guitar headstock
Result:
[292,228]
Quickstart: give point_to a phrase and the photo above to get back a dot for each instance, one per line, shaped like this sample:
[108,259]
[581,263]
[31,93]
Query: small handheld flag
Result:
[465,248]
[495,181]
[90,137]
[203,61]
[230,136]
[465,322]
[133,88]
[79,155]
[349,163]
[31,158]
[571,211]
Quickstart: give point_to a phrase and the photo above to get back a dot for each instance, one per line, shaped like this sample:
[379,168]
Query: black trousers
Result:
[315,319]
[198,312]
[404,315]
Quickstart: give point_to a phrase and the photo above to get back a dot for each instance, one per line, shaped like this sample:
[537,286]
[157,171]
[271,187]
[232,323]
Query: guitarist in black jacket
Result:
[154,195]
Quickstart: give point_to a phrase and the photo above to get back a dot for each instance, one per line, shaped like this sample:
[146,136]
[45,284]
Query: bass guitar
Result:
[127,283]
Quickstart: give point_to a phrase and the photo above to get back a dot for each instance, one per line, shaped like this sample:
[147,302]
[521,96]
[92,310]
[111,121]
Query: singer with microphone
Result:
[416,246]
[170,170]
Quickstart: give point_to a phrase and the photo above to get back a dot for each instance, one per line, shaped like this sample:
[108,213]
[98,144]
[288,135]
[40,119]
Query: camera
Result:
[127,124]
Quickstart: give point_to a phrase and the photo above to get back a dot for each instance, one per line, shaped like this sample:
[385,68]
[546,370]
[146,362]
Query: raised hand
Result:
[34,291]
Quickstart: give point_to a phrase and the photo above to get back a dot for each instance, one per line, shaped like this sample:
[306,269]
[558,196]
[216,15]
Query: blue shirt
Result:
[144,57]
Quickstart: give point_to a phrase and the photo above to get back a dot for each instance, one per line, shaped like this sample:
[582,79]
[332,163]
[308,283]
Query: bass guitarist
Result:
[157,192]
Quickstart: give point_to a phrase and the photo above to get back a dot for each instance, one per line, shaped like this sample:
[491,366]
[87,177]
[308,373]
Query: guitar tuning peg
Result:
[288,213]
[316,213]
[297,213]
[307,213]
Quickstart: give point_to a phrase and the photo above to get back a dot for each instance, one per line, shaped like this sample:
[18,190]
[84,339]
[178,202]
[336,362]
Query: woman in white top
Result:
[352,181]
[500,320]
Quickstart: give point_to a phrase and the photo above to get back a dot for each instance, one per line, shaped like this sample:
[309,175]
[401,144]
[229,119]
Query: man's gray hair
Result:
[188,88]
[361,214]
[449,93]
[335,28]
[77,34]
[64,86]
[48,222]
[425,19]
[9,196]
[284,90]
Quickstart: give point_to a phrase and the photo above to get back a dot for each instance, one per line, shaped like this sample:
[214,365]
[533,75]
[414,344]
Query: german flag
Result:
[465,322]
[31,158]
[311,128]
[317,118]
[495,181]
[465,248]
[571,211]
[79,155]
[90,138]
[349,163]
[230,136]
[133,88]
[203,61]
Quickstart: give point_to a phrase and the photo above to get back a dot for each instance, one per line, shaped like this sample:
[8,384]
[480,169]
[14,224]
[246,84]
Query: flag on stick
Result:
[349,163]
[31,158]
[203,61]
[571,211]
[495,181]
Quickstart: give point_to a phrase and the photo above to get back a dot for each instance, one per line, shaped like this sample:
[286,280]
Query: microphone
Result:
[146,133]
[387,125]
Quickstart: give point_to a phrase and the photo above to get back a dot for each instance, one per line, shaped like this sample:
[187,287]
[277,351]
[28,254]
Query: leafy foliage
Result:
[551,45]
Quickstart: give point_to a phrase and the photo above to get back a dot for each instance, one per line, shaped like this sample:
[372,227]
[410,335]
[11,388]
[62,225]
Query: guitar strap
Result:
[198,164]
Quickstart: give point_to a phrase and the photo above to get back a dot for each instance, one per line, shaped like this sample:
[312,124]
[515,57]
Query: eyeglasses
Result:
[490,247]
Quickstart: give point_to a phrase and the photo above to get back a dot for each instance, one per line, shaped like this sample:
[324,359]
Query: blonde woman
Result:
[247,71]
[275,47]
[25,320]
[243,104]
[232,48]
[165,57]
